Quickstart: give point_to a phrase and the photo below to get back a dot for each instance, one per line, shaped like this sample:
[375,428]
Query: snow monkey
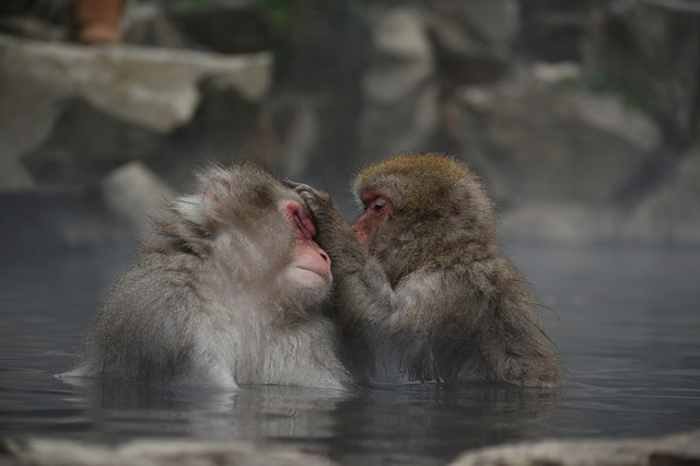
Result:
[422,292]
[230,291]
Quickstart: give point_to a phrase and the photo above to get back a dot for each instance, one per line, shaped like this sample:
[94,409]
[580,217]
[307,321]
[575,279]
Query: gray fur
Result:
[207,302]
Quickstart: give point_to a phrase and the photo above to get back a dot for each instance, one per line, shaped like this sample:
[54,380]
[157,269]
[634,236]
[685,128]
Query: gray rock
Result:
[289,129]
[71,114]
[400,95]
[134,193]
[650,53]
[546,138]
[670,214]
[147,24]
[553,31]
[155,88]
[473,39]
[667,216]
[404,57]
[85,144]
[224,27]
[40,452]
[674,450]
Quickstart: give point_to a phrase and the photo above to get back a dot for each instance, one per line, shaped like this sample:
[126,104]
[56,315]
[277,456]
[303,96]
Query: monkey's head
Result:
[426,197]
[258,235]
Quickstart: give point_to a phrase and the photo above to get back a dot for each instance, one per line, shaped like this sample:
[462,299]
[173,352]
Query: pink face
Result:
[309,262]
[377,209]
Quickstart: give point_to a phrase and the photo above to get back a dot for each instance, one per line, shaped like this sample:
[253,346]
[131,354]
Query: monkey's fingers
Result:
[307,192]
[291,183]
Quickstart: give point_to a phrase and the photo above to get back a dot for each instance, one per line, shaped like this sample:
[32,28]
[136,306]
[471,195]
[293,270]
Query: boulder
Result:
[553,31]
[673,450]
[670,214]
[473,40]
[41,452]
[155,88]
[400,110]
[649,52]
[225,27]
[85,144]
[74,113]
[134,194]
[542,136]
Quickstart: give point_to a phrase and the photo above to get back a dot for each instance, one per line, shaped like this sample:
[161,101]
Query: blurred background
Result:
[581,117]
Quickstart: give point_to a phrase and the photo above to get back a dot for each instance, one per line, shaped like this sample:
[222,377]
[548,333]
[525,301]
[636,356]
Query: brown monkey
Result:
[422,291]
[229,292]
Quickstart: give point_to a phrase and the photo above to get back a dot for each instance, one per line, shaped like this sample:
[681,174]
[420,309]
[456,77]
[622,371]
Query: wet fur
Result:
[432,298]
[205,303]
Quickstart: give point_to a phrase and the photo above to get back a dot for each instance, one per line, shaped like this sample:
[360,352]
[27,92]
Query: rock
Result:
[288,132]
[134,193]
[322,60]
[146,24]
[223,126]
[674,450]
[75,113]
[670,214]
[405,57]
[400,95]
[667,216]
[629,39]
[155,88]
[85,144]
[223,27]
[544,139]
[473,40]
[40,452]
[553,31]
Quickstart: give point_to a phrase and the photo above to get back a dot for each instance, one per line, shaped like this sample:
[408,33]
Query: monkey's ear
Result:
[191,208]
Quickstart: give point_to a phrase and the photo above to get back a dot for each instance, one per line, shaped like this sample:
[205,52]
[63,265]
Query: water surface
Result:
[625,320]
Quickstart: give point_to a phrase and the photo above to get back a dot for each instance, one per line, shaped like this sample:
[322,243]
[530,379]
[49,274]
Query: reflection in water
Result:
[626,323]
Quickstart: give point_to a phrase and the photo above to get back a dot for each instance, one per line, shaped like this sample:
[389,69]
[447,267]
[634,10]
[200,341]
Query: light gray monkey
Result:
[230,291]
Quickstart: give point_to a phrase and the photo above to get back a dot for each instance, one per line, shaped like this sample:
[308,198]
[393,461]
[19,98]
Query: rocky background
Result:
[581,117]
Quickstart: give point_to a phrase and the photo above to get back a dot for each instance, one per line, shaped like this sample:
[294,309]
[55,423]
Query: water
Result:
[626,322]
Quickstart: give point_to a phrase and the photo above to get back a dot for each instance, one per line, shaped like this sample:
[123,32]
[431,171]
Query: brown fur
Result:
[430,297]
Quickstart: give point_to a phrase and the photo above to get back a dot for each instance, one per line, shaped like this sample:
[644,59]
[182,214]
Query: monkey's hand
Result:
[314,199]
[333,233]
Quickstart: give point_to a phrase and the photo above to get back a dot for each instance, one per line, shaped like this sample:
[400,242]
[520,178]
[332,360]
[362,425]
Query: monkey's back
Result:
[143,331]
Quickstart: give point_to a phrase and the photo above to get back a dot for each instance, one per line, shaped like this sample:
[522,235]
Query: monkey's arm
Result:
[483,301]
[362,285]
[513,347]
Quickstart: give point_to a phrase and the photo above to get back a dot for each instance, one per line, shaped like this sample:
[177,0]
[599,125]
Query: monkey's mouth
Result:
[321,273]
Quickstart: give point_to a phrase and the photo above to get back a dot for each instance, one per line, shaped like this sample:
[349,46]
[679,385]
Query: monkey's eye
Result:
[378,204]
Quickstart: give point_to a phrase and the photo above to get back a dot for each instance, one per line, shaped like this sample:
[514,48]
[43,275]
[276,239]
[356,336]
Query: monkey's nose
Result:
[325,256]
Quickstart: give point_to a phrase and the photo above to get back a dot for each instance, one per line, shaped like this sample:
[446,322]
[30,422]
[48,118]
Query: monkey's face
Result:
[377,209]
[258,236]
[310,266]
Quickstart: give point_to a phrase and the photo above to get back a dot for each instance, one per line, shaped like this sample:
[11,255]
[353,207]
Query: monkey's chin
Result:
[311,278]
